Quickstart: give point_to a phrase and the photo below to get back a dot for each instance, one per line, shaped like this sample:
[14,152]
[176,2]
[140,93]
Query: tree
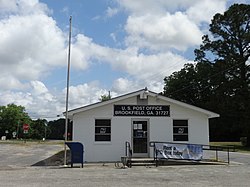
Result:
[220,81]
[187,85]
[57,128]
[12,117]
[39,129]
[105,97]
[229,50]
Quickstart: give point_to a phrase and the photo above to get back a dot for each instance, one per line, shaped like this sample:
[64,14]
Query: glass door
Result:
[140,137]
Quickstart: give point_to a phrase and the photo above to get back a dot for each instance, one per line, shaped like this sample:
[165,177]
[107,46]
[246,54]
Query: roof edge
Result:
[153,94]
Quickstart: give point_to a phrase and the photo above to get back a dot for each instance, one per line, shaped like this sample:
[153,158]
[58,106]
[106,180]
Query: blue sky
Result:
[117,45]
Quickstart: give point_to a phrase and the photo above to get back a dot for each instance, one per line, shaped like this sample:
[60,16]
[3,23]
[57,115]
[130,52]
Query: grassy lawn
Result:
[29,141]
[237,145]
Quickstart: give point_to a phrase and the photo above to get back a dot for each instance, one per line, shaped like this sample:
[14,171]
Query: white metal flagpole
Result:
[67,96]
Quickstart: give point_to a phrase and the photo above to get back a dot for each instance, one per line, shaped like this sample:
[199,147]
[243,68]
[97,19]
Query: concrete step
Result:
[141,162]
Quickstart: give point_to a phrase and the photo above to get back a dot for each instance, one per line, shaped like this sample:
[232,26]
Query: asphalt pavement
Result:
[16,170]
[26,154]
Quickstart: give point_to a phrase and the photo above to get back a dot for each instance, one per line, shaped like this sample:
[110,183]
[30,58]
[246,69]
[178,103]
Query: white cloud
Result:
[162,33]
[34,45]
[8,6]
[85,94]
[110,12]
[7,82]
[141,7]
[145,67]
[82,51]
[23,7]
[163,25]
[123,85]
[39,90]
[154,66]
[44,103]
[142,69]
[19,98]
[230,2]
[204,10]
[113,36]
[38,101]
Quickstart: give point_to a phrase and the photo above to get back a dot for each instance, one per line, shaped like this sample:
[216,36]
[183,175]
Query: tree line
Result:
[13,118]
[220,79]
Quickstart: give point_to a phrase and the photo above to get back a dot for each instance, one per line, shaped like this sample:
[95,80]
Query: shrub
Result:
[243,141]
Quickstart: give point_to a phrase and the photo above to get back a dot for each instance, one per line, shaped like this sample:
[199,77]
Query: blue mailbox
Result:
[77,151]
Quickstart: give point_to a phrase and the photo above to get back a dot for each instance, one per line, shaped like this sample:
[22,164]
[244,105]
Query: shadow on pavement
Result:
[55,160]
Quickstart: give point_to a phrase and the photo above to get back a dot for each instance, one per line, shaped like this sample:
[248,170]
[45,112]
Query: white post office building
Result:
[138,117]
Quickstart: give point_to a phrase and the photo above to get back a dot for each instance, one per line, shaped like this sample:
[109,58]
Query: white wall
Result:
[161,129]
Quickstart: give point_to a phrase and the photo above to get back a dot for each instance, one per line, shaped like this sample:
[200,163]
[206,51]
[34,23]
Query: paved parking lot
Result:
[98,174]
[26,154]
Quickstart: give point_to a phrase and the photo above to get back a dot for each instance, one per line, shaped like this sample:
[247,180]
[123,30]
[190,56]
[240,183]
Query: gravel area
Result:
[16,170]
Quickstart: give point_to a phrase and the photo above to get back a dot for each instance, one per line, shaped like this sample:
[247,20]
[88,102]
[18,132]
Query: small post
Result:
[126,151]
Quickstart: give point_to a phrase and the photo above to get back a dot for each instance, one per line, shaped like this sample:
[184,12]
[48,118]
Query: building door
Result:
[140,138]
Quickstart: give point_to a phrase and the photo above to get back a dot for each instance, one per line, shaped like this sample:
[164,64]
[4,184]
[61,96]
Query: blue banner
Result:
[179,151]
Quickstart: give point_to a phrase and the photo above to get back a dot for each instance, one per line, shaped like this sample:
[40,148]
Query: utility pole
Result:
[67,96]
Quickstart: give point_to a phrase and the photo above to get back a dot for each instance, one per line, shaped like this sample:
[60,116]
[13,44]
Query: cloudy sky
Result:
[117,45]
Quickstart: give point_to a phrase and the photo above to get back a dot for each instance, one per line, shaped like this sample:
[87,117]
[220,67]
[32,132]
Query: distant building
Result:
[138,117]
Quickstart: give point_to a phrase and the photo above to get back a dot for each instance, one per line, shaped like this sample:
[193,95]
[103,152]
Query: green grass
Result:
[29,141]
[237,145]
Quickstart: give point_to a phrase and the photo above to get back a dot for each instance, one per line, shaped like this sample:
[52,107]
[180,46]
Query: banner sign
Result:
[179,151]
[141,110]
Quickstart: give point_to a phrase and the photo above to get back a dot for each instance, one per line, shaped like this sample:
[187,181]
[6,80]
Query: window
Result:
[180,130]
[102,130]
